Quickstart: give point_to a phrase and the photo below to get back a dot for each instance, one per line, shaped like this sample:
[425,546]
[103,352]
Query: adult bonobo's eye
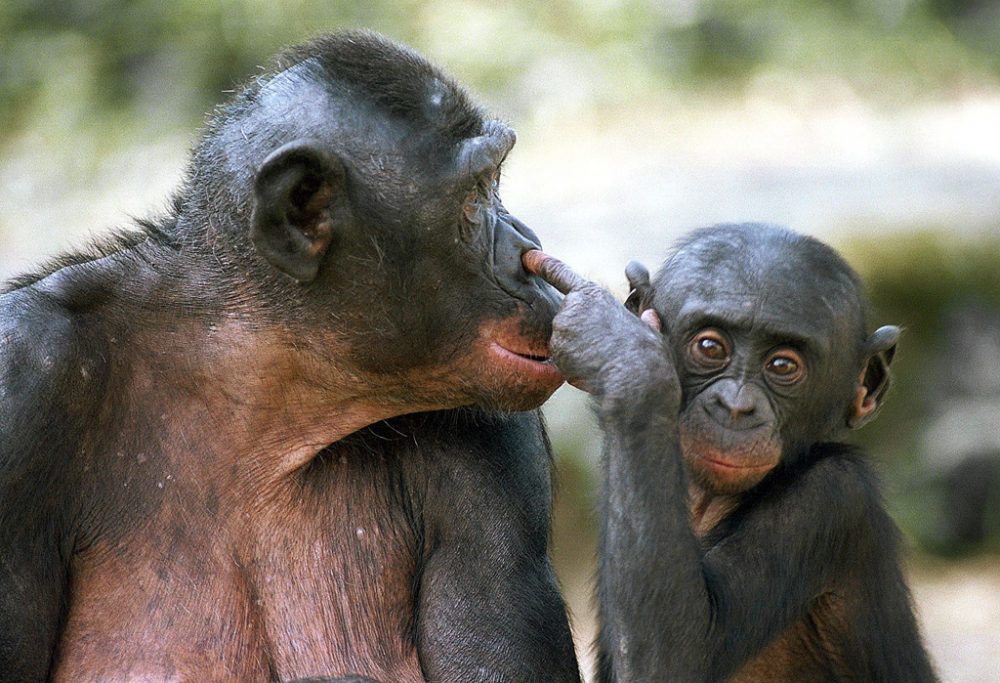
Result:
[471,208]
[785,366]
[473,213]
[709,349]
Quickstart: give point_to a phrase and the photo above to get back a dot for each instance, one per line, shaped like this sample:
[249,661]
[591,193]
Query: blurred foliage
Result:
[918,280]
[67,62]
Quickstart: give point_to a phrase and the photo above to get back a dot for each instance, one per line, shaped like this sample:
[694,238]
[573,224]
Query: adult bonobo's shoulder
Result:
[38,344]
[55,329]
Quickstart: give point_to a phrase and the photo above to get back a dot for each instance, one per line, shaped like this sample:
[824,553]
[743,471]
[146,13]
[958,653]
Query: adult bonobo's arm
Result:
[490,608]
[34,495]
[670,609]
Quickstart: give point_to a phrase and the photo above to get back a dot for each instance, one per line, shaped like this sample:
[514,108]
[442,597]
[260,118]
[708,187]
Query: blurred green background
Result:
[872,124]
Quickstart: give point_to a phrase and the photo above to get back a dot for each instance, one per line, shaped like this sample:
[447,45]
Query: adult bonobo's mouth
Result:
[522,352]
[513,364]
[534,364]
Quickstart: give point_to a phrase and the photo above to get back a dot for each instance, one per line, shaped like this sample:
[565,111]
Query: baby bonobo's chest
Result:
[317,579]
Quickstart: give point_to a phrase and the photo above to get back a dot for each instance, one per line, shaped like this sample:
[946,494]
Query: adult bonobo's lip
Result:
[532,363]
[518,348]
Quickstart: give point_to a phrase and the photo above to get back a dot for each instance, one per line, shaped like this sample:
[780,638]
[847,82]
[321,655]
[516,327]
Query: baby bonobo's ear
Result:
[874,379]
[640,298]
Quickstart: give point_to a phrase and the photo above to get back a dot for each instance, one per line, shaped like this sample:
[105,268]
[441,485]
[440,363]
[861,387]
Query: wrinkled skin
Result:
[739,540]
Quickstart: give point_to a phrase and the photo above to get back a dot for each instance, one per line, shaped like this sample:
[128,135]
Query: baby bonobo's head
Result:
[768,333]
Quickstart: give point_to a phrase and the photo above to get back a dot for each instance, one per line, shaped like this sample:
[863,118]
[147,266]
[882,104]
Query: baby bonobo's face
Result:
[747,365]
[767,339]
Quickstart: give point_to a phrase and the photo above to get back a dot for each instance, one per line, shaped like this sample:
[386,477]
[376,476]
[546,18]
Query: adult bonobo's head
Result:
[357,186]
[768,328]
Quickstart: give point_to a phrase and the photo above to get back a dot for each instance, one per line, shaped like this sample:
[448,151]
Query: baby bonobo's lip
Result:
[727,464]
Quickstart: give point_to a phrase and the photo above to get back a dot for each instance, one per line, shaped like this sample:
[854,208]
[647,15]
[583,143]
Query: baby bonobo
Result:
[741,540]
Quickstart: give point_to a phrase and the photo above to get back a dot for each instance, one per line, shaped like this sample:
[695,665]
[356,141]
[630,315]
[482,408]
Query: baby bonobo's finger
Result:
[553,271]
[651,318]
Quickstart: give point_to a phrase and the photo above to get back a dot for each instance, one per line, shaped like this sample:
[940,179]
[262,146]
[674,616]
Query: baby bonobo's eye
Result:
[709,349]
[785,366]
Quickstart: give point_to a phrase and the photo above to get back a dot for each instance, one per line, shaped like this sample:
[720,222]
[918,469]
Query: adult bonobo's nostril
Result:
[513,240]
[525,232]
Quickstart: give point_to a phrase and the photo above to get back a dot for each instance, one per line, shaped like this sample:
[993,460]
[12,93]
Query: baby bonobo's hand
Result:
[597,344]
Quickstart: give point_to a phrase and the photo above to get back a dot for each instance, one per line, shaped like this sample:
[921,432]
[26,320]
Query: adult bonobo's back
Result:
[216,460]
[741,539]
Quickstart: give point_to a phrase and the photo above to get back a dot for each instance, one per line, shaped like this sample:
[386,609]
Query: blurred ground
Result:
[959,607]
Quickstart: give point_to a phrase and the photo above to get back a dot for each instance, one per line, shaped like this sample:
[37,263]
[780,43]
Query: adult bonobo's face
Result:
[511,309]
[385,208]
[468,309]
[767,329]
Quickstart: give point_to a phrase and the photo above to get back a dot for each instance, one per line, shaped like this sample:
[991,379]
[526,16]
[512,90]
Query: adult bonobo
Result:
[212,467]
[741,541]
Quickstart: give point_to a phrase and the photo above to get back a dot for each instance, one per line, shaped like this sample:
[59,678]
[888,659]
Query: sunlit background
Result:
[872,124]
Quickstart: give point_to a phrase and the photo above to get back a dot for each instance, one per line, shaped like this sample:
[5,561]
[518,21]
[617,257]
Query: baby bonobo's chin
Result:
[727,461]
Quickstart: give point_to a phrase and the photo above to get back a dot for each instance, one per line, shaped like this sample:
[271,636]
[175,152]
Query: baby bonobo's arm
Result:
[648,553]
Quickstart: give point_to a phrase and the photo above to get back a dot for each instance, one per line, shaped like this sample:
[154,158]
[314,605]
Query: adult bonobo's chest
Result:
[315,578]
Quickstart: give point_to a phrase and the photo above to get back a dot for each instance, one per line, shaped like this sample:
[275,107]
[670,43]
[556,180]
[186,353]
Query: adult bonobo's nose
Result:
[525,232]
[513,240]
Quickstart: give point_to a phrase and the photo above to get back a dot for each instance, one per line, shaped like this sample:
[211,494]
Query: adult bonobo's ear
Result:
[873,381]
[299,198]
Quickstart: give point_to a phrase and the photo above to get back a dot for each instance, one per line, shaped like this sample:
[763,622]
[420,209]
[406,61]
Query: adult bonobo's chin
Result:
[216,457]
[740,540]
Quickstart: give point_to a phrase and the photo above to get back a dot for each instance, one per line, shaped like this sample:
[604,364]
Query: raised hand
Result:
[596,343]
